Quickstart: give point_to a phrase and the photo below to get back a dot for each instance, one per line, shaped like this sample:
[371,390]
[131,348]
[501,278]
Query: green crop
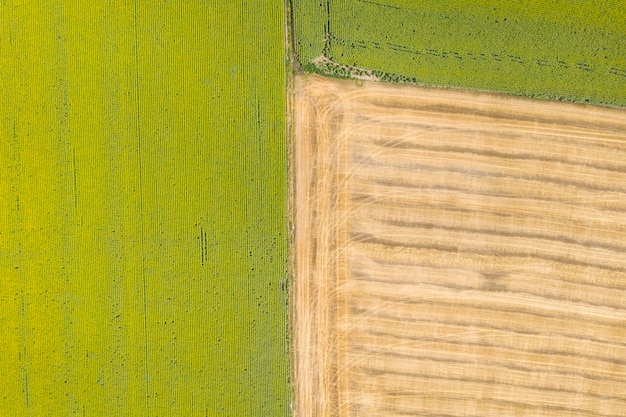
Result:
[553,49]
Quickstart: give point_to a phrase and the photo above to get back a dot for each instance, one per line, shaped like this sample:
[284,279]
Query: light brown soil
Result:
[457,254]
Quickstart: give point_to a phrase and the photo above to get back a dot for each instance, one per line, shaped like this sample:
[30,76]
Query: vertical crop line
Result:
[141,223]
[328,34]
[24,353]
[75,185]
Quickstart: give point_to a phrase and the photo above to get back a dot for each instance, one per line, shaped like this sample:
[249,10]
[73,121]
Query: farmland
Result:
[143,209]
[559,50]
[457,253]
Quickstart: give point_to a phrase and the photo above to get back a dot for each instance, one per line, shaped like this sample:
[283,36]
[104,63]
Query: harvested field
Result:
[457,254]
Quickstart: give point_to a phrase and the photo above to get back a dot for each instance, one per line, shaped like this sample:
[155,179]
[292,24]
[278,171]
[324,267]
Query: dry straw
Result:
[457,254]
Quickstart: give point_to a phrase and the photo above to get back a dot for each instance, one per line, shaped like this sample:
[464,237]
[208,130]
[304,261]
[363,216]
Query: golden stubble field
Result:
[457,254]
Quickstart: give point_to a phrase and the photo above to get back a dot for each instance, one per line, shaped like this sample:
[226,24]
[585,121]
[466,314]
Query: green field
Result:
[568,50]
[143,225]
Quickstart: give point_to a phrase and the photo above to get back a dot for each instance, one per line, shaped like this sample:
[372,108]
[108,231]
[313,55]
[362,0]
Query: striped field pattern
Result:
[457,254]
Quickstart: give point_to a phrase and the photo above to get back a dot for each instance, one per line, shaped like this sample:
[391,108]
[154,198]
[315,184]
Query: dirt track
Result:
[457,254]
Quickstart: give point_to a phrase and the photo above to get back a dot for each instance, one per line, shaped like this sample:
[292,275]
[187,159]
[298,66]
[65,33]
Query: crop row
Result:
[478,56]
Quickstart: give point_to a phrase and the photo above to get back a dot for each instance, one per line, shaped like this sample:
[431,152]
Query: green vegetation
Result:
[143,220]
[569,50]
